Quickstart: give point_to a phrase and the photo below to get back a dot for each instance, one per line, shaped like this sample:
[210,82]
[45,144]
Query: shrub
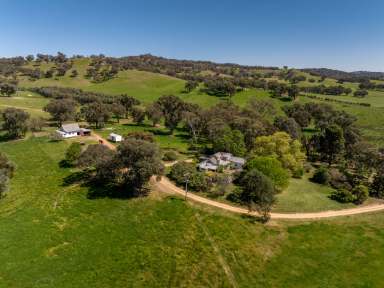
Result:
[360,193]
[298,173]
[377,187]
[321,176]
[170,156]
[72,154]
[343,196]
[183,171]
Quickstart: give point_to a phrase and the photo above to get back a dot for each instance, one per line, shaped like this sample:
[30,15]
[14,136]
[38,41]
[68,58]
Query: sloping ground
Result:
[54,236]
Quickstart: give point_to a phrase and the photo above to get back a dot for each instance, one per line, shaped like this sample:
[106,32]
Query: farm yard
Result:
[68,228]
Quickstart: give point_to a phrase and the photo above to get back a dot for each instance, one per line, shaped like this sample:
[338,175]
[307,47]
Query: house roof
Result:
[70,128]
[207,165]
[238,160]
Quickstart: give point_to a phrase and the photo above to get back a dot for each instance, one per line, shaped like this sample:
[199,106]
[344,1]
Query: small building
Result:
[221,159]
[115,137]
[72,130]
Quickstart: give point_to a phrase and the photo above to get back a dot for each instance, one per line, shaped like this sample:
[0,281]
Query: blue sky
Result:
[342,34]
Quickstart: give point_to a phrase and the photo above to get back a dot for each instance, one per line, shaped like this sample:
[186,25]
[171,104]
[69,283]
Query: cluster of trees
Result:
[17,122]
[128,169]
[327,90]
[6,173]
[100,70]
[7,89]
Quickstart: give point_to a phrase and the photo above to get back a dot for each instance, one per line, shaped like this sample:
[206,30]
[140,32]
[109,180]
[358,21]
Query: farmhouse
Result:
[115,137]
[221,159]
[72,130]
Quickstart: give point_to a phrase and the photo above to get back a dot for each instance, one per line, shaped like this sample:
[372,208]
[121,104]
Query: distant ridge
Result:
[342,75]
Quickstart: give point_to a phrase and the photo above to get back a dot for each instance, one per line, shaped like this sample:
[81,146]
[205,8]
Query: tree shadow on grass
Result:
[252,218]
[97,190]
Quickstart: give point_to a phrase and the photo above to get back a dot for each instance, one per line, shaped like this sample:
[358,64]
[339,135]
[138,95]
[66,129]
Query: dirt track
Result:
[166,186]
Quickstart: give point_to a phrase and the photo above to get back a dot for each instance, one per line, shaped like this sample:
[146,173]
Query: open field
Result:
[25,100]
[54,236]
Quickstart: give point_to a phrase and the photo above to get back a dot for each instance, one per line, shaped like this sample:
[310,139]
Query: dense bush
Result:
[357,195]
[360,192]
[170,156]
[182,172]
[321,176]
[272,168]
[343,196]
[377,186]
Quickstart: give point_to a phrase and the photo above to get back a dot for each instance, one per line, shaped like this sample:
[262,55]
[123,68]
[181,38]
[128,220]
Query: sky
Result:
[339,34]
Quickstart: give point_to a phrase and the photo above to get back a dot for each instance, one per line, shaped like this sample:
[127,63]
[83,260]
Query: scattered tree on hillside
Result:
[138,115]
[15,122]
[153,113]
[36,124]
[172,108]
[96,113]
[7,89]
[61,110]
[190,85]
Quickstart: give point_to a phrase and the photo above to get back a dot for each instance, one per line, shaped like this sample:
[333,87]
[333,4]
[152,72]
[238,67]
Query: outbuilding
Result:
[115,137]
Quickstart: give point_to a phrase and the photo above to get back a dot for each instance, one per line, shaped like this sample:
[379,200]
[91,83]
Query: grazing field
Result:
[25,100]
[178,141]
[52,235]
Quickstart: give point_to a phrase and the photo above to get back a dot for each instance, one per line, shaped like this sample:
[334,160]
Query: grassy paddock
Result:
[54,236]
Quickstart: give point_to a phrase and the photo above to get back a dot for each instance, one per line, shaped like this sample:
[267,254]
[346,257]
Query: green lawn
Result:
[304,196]
[178,141]
[54,236]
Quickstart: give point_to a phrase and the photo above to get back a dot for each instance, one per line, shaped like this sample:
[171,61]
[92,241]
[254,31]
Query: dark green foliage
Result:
[231,141]
[377,187]
[258,192]
[134,163]
[271,168]
[96,113]
[219,87]
[182,172]
[288,125]
[15,122]
[7,89]
[61,110]
[190,85]
[94,155]
[172,108]
[360,193]
[138,115]
[360,93]
[72,154]
[321,176]
[330,144]
[343,195]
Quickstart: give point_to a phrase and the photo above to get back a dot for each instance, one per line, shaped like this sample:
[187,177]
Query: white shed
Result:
[115,137]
